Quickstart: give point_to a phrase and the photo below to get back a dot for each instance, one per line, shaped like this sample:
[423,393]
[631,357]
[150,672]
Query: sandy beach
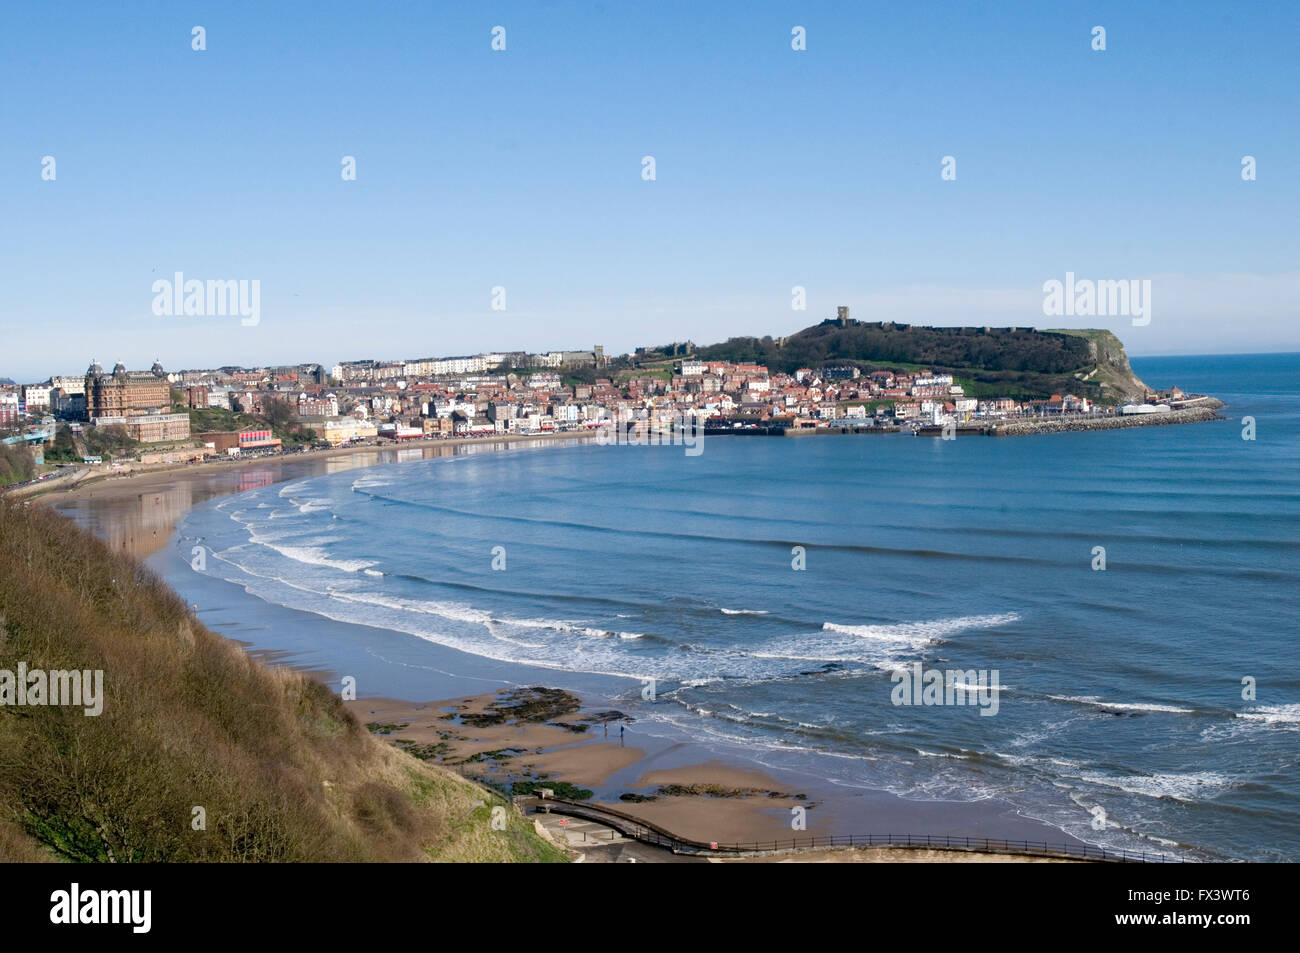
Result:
[136,511]
[680,785]
[522,739]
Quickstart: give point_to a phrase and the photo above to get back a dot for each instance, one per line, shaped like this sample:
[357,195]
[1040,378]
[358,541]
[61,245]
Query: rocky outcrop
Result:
[1111,370]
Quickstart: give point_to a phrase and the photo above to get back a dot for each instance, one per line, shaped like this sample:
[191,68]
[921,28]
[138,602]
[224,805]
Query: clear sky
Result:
[522,168]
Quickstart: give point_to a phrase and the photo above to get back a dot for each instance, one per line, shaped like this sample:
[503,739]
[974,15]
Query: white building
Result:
[347,428]
[70,385]
[37,397]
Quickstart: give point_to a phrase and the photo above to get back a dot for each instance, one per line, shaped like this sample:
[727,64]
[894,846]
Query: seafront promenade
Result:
[1201,409]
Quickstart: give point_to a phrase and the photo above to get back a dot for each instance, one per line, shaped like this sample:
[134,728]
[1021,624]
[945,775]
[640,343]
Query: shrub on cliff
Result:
[279,768]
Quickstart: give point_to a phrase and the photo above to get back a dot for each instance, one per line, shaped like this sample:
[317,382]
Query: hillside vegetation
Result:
[1009,361]
[279,416]
[282,770]
[16,464]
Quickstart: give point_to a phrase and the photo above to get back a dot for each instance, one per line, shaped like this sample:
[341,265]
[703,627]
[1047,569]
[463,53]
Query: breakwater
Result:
[1205,410]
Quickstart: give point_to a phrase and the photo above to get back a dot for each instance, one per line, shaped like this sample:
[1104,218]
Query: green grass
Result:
[871,405]
[662,373]
[562,789]
[215,419]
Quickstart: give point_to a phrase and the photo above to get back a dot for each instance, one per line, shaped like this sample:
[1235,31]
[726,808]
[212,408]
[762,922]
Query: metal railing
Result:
[647,833]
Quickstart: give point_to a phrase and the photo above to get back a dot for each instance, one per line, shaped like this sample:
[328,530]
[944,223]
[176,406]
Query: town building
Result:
[150,428]
[344,429]
[8,408]
[225,441]
[126,393]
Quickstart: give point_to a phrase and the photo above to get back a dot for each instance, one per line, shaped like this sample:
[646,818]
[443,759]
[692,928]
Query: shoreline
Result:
[1205,410]
[91,478]
[172,489]
[61,485]
[139,514]
[521,740]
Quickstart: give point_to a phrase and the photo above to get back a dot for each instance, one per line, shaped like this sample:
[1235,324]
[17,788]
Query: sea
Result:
[1121,605]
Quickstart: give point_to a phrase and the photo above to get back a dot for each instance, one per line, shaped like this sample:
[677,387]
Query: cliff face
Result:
[1111,371]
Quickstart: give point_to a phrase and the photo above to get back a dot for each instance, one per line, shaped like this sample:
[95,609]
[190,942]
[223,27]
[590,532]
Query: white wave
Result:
[784,656]
[1188,788]
[496,633]
[1063,765]
[920,633]
[884,647]
[1096,702]
[451,611]
[1016,760]
[316,556]
[459,612]
[744,611]
[1034,736]
[960,686]
[1273,714]
[574,627]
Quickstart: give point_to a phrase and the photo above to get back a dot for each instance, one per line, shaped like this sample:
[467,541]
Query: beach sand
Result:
[733,803]
[513,736]
[682,787]
[136,511]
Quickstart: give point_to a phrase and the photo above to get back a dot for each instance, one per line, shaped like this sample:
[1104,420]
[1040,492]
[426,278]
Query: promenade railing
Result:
[648,833]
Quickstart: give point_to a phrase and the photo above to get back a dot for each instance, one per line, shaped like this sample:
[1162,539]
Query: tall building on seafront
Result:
[126,393]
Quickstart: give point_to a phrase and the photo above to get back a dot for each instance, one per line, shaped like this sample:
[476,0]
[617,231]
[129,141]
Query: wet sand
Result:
[135,512]
[736,808]
[679,787]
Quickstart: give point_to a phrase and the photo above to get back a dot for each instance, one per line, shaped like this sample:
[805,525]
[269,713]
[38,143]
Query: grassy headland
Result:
[1024,363]
[282,770]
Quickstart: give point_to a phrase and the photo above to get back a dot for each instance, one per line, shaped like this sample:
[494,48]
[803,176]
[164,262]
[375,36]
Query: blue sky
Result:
[522,169]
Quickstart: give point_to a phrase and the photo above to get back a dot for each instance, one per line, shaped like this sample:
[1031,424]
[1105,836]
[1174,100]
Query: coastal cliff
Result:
[1111,371]
[172,744]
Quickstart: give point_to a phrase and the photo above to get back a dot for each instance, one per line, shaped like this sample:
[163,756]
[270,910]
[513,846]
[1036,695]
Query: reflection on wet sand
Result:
[136,514]
[137,524]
